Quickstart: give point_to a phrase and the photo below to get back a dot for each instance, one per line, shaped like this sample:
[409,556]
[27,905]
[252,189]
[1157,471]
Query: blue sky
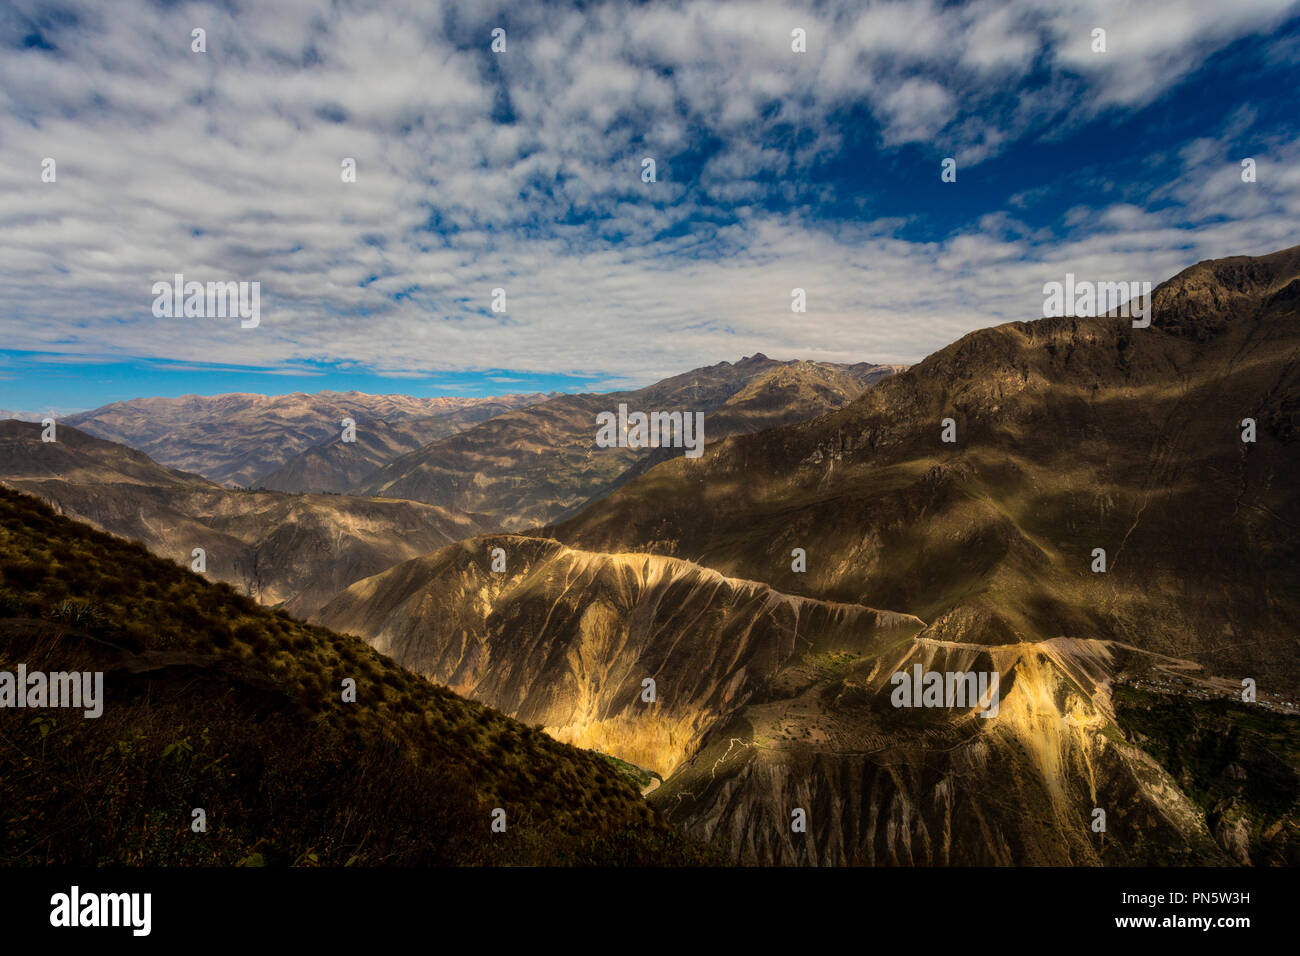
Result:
[97,381]
[521,170]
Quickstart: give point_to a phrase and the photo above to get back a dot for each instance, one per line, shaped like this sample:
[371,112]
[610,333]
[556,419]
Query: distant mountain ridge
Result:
[296,550]
[299,550]
[537,464]
[240,437]
[337,466]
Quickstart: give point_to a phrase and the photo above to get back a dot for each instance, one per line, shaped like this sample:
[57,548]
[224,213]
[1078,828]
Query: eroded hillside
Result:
[568,638]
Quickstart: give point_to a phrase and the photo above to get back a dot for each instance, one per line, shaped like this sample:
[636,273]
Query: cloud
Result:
[522,171]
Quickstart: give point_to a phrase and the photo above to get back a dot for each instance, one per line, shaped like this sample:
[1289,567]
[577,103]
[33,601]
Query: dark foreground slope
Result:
[212,702]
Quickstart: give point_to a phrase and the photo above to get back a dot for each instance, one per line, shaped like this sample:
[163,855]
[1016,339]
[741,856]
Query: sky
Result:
[522,169]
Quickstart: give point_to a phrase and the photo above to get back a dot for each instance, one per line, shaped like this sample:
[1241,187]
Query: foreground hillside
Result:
[773,676]
[295,550]
[212,702]
[540,463]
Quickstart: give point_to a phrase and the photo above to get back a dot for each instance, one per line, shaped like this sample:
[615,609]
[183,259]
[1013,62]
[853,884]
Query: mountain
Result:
[536,464]
[565,638]
[337,465]
[973,557]
[212,705]
[296,550]
[1072,434]
[241,437]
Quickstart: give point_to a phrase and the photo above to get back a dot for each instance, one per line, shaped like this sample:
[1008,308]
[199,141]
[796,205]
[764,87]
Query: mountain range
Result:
[537,464]
[290,550]
[297,548]
[1097,519]
[242,438]
[1099,536]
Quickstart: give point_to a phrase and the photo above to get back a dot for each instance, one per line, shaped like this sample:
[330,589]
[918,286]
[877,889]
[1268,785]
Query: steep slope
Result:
[240,437]
[211,702]
[1072,435]
[296,550]
[539,463]
[765,703]
[567,638]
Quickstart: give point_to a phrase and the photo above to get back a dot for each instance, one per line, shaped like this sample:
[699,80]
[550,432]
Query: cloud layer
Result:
[522,170]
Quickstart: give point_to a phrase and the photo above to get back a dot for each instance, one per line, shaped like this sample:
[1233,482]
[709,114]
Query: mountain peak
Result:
[1202,300]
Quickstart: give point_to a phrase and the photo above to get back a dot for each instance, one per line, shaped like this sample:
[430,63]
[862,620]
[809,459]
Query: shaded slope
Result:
[296,550]
[1240,763]
[213,702]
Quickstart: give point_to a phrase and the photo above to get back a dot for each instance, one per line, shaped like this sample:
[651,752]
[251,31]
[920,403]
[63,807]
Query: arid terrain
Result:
[1099,519]
[773,683]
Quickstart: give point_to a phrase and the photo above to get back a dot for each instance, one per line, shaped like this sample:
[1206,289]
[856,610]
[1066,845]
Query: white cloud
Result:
[225,165]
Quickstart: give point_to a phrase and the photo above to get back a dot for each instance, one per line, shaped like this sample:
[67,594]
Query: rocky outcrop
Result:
[880,785]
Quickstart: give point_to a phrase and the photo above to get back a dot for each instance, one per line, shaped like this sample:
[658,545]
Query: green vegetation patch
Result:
[1239,762]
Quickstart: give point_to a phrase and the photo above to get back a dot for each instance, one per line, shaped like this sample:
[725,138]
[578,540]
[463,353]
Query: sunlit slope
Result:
[766,702]
[569,638]
[887,786]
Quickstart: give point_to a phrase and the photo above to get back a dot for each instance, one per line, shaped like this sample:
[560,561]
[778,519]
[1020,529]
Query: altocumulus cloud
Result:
[522,170]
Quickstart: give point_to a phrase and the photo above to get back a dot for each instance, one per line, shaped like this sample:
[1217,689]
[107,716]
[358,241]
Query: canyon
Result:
[773,682]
